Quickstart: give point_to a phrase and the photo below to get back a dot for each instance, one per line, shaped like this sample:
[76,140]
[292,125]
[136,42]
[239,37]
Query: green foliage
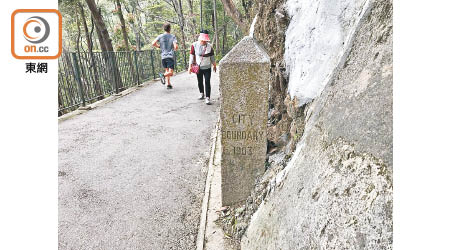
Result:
[144,20]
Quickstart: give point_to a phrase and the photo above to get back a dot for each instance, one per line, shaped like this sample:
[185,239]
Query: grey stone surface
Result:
[336,193]
[247,51]
[215,238]
[132,172]
[244,86]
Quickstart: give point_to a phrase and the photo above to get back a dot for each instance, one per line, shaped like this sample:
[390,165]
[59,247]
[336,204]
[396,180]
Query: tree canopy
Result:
[120,25]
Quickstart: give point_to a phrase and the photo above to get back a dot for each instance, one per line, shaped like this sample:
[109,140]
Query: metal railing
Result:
[85,77]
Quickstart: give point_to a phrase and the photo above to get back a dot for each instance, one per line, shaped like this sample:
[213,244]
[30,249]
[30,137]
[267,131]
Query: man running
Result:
[168,45]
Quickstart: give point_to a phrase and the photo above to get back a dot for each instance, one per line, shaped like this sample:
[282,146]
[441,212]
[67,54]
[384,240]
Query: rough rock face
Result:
[336,192]
[270,28]
[318,34]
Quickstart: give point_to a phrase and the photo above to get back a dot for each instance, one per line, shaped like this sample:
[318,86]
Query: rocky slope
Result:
[336,192]
[270,27]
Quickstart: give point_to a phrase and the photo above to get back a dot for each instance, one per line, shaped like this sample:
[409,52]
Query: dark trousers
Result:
[207,74]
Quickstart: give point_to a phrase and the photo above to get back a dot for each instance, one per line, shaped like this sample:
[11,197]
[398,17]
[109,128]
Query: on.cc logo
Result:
[36,34]
[39,29]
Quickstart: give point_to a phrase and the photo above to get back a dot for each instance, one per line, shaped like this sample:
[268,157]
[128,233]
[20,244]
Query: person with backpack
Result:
[201,59]
[168,45]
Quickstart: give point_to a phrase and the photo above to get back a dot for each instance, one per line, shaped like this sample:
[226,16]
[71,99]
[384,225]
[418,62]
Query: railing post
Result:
[78,78]
[136,67]
[153,67]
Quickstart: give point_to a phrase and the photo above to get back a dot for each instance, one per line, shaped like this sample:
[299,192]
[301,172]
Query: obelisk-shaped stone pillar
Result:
[244,87]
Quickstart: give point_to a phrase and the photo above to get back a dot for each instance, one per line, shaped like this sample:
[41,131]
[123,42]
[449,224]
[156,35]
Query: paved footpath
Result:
[132,172]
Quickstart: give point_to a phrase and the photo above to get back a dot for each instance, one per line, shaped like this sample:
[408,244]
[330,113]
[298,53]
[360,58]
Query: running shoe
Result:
[202,96]
[207,101]
[169,86]
[162,78]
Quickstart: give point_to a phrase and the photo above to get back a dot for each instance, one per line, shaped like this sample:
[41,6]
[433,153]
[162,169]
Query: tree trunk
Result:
[234,13]
[100,24]
[178,7]
[137,35]
[125,39]
[192,18]
[182,22]
[91,35]
[100,37]
[216,37]
[201,14]
[224,38]
[107,41]
[97,88]
[145,36]
[104,51]
[133,24]
[83,76]
[85,27]
[122,25]
[78,32]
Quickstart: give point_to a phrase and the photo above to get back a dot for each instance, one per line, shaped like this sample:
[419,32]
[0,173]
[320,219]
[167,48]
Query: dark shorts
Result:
[168,63]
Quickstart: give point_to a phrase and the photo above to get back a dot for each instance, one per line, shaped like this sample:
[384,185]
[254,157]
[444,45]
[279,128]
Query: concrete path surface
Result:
[132,172]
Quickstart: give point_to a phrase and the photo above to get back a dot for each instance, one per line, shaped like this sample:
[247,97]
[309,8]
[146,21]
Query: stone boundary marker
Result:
[244,89]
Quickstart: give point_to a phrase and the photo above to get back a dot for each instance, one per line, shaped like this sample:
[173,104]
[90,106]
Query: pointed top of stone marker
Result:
[246,51]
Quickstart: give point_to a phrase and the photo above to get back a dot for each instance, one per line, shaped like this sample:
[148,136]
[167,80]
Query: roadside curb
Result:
[203,216]
[211,235]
